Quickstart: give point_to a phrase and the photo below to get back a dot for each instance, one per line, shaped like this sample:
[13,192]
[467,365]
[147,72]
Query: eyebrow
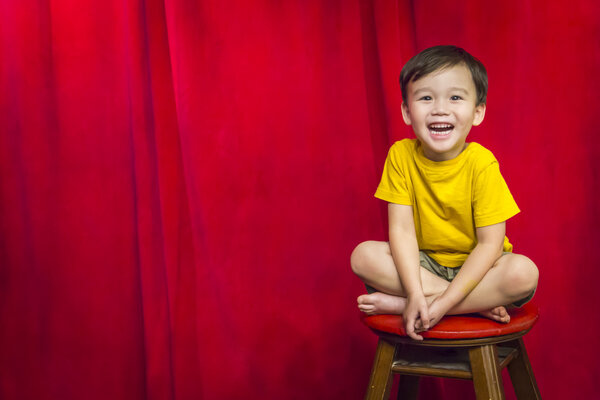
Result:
[459,89]
[452,89]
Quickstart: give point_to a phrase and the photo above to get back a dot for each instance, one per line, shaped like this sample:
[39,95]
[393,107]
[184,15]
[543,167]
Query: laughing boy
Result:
[447,207]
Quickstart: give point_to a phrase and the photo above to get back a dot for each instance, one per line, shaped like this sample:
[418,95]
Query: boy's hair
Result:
[440,57]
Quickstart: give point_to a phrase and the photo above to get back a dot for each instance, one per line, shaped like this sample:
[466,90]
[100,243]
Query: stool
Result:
[462,347]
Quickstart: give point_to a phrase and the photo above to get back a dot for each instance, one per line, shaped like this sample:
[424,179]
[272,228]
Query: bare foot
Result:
[498,314]
[381,303]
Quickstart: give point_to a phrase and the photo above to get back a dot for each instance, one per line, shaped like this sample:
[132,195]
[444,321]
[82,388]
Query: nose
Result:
[440,107]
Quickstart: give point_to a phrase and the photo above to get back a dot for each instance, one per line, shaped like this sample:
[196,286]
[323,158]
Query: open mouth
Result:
[440,129]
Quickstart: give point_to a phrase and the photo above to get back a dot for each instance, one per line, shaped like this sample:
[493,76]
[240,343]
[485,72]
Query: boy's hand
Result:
[437,310]
[416,307]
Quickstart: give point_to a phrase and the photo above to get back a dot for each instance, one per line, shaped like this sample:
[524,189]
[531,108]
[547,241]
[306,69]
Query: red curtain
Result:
[182,183]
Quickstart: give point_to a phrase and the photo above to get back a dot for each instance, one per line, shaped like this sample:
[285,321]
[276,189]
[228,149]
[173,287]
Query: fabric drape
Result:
[182,183]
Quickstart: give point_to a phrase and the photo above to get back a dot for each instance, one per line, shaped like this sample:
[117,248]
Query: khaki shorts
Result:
[450,273]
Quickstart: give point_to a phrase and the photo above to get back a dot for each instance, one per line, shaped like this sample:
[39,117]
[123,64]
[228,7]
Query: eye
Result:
[425,98]
[455,98]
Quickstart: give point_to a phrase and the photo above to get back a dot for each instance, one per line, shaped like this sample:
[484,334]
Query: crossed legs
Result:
[511,278]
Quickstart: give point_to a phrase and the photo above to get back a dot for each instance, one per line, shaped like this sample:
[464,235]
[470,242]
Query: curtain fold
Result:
[182,183]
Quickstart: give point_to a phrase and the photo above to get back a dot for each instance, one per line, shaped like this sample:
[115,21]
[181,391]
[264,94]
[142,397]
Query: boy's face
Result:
[441,107]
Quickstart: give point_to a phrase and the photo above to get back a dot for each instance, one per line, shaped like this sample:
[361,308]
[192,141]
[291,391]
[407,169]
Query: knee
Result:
[361,258]
[522,275]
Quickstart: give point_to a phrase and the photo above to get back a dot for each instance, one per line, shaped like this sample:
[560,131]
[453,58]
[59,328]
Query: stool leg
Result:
[486,374]
[381,374]
[521,373]
[408,387]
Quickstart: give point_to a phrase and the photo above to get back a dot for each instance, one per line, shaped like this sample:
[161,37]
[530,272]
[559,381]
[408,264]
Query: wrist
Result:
[416,294]
[445,302]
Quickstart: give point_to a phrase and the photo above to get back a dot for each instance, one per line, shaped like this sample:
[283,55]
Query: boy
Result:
[447,207]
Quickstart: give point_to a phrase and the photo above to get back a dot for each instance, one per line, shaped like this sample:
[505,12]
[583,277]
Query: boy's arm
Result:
[405,252]
[490,241]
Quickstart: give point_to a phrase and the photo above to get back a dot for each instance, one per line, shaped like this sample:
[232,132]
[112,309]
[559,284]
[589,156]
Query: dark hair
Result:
[440,57]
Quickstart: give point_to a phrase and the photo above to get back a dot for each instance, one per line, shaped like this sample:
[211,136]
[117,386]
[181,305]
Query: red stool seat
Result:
[460,326]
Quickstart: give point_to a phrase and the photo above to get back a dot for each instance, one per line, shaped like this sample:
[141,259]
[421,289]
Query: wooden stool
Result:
[462,346]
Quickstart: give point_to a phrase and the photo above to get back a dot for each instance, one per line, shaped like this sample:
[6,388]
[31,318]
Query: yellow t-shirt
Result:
[449,198]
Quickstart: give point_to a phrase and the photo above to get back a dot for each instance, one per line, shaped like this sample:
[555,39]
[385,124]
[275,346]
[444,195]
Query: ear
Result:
[406,114]
[479,114]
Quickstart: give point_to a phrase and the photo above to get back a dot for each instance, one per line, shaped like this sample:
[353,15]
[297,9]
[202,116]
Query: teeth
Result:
[440,126]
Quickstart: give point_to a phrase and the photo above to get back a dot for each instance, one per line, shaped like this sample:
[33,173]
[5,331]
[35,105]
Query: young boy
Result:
[447,207]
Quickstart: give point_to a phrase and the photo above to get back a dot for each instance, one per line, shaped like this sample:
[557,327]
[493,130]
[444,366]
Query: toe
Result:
[366,308]
[361,299]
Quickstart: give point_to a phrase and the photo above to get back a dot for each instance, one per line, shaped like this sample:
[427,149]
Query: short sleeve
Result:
[492,201]
[393,185]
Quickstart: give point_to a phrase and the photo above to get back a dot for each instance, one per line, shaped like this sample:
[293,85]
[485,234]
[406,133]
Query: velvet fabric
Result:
[182,183]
